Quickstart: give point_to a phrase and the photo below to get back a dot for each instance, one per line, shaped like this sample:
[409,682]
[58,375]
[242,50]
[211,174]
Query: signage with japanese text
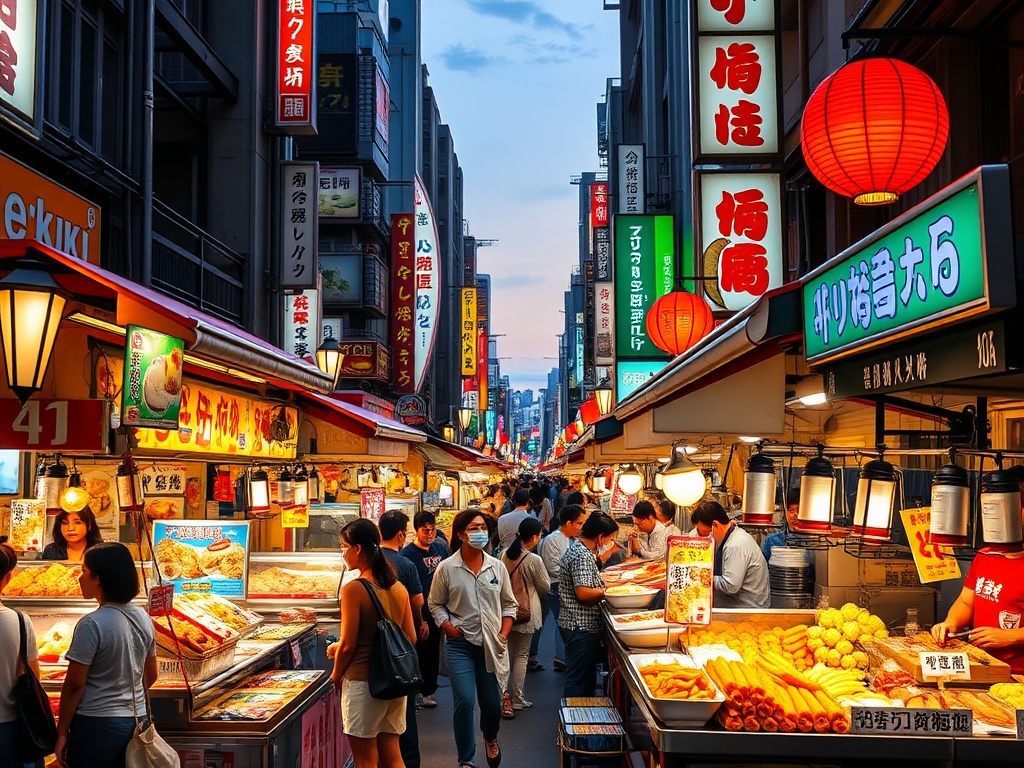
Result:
[301,319]
[365,360]
[958,353]
[411,410]
[371,503]
[630,178]
[19,36]
[34,208]
[911,721]
[163,479]
[54,425]
[295,111]
[403,300]
[338,193]
[741,236]
[602,255]
[207,556]
[599,205]
[299,236]
[620,501]
[933,563]
[213,421]
[428,282]
[630,375]
[151,392]
[644,272]
[690,579]
[604,325]
[944,665]
[946,259]
[468,331]
[482,365]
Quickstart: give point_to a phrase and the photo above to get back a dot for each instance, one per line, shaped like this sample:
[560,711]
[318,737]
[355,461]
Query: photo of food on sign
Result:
[151,392]
[202,556]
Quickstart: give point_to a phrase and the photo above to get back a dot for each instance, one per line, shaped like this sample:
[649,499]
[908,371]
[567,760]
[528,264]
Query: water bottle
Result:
[912,626]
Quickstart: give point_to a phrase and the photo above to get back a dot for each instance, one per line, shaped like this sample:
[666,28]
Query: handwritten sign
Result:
[690,580]
[621,502]
[933,563]
[945,665]
[161,600]
[885,721]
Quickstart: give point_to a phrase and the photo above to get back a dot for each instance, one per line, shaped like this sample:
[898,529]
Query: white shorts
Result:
[364,717]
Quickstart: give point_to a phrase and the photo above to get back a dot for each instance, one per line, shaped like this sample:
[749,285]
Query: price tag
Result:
[161,599]
[296,653]
[945,665]
[887,721]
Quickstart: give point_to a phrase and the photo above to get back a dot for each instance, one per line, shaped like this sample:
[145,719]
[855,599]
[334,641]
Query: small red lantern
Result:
[678,320]
[874,129]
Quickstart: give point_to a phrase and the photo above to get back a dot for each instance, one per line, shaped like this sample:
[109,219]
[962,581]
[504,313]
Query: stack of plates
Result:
[789,573]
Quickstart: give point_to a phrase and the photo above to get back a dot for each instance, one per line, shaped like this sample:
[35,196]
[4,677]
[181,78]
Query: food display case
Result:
[325,523]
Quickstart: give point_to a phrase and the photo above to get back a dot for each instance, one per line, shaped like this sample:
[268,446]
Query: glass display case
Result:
[284,579]
[325,523]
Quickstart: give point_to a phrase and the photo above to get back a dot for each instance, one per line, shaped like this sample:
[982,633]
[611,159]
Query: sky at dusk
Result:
[518,81]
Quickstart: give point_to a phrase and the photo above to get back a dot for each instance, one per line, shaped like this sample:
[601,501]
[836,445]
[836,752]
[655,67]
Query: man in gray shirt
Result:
[508,523]
[741,572]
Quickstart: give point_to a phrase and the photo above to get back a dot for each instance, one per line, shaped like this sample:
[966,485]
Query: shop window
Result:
[84,64]
[342,278]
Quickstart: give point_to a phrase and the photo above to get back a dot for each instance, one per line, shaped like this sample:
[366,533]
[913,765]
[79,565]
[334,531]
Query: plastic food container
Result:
[684,712]
[632,600]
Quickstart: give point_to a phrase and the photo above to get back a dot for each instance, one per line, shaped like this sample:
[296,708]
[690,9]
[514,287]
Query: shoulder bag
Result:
[36,728]
[394,666]
[520,590]
[147,749]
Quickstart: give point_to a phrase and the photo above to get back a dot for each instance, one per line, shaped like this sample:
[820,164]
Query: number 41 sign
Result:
[50,425]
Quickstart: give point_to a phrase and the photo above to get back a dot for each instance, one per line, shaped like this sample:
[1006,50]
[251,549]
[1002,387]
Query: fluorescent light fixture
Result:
[95,322]
[810,390]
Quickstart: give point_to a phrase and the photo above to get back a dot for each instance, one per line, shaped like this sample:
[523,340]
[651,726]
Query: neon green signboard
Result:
[948,258]
[644,272]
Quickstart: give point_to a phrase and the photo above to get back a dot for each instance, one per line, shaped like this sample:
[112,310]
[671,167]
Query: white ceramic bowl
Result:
[651,637]
[682,712]
[634,601]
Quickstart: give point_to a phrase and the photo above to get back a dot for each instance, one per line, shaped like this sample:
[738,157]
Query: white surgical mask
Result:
[605,547]
[478,539]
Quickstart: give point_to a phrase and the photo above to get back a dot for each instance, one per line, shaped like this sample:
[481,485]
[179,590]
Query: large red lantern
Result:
[678,320]
[874,129]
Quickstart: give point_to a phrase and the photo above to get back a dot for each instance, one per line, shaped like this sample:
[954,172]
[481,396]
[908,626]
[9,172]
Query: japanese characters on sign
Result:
[599,205]
[604,330]
[295,60]
[644,272]
[945,665]
[371,503]
[152,391]
[338,193]
[734,15]
[365,360]
[602,255]
[741,236]
[630,178]
[690,579]
[482,367]
[941,261]
[163,479]
[428,282]
[630,375]
[35,208]
[18,45]
[468,331]
[883,721]
[301,318]
[299,237]
[403,300]
[933,563]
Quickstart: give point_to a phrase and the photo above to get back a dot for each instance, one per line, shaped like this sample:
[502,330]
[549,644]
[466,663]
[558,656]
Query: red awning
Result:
[353,418]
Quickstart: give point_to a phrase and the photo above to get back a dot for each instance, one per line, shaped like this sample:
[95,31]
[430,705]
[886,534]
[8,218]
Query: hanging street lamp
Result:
[329,358]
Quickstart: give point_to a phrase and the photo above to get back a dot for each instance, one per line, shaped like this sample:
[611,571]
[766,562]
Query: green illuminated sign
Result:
[644,272]
[948,258]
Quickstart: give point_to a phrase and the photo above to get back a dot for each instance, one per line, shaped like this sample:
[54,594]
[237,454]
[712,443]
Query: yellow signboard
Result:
[690,576]
[469,351]
[219,422]
[295,517]
[934,563]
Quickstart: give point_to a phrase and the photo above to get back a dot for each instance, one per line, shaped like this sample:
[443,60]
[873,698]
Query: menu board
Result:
[371,503]
[203,555]
[690,579]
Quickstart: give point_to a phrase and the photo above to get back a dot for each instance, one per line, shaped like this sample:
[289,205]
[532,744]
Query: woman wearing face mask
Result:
[580,591]
[610,554]
[73,533]
[472,602]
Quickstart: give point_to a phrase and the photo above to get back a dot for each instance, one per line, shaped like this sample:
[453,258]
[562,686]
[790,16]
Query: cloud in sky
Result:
[461,58]
[523,12]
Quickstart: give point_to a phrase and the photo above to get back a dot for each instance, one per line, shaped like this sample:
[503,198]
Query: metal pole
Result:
[146,170]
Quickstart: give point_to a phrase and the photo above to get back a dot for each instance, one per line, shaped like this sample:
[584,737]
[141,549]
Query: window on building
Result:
[85,98]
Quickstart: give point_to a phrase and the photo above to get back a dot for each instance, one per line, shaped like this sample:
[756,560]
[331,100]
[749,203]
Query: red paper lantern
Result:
[874,129]
[678,320]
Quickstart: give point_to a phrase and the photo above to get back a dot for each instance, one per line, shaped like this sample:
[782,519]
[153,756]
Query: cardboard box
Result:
[835,567]
[889,603]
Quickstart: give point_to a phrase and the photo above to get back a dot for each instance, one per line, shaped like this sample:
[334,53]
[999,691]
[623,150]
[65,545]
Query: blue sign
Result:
[210,556]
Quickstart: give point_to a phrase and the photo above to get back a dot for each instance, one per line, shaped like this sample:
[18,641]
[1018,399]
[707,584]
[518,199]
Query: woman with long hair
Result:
[111,661]
[524,564]
[73,533]
[372,725]
[472,602]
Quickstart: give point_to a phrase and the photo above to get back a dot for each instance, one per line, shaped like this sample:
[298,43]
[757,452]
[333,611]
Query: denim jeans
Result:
[470,679]
[556,609]
[99,742]
[9,746]
[581,649]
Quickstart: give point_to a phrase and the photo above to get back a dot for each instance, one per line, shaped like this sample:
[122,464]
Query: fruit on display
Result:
[675,681]
[833,638]
[838,682]
[1011,693]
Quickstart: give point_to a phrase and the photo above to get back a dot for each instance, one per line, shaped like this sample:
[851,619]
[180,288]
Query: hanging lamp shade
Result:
[678,320]
[874,129]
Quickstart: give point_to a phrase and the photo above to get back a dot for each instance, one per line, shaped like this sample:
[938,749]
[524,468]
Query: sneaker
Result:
[524,704]
[426,701]
[493,752]
[534,666]
[506,710]
[558,665]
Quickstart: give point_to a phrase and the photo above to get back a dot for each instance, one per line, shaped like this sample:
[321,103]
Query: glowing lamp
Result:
[259,491]
[683,482]
[810,390]
[603,394]
[630,481]
[597,483]
[872,512]
[75,498]
[678,320]
[448,431]
[759,491]
[874,129]
[951,506]
[1001,511]
[817,497]
[329,358]
[465,416]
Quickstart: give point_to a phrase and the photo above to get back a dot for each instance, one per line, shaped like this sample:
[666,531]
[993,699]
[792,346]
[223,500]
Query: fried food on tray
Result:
[627,589]
[176,560]
[57,580]
[675,681]
[187,633]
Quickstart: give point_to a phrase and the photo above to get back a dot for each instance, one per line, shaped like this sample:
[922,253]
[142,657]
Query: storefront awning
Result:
[376,425]
[439,459]
[109,302]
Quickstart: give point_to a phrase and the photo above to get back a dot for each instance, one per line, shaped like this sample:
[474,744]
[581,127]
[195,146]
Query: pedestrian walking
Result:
[529,584]
[553,547]
[473,604]
[426,553]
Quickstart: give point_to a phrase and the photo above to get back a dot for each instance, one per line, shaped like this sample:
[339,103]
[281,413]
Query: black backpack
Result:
[394,665]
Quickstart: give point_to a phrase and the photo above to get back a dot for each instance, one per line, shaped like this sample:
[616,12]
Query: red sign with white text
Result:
[54,425]
[296,110]
[599,205]
[403,301]
[371,503]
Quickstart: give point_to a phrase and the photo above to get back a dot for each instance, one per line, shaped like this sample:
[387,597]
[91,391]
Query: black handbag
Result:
[36,727]
[394,665]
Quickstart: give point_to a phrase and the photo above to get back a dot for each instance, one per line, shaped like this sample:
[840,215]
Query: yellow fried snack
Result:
[674,681]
